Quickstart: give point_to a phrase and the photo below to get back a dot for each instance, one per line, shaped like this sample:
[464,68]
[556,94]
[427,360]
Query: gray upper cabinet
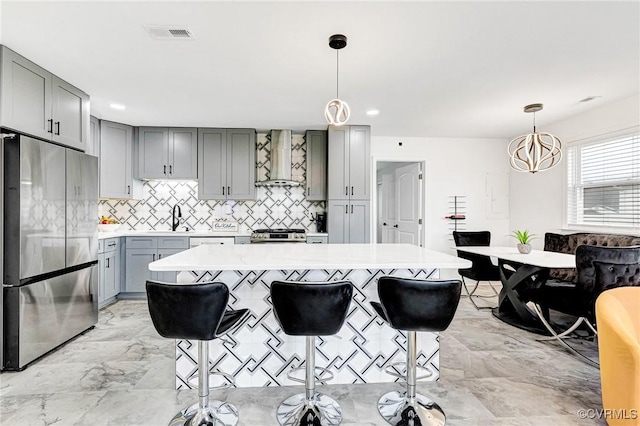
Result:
[93,147]
[316,174]
[116,162]
[226,164]
[70,115]
[167,153]
[349,163]
[36,102]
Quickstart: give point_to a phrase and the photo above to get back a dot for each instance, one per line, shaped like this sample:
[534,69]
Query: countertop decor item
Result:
[537,151]
[524,238]
[337,111]
[108,224]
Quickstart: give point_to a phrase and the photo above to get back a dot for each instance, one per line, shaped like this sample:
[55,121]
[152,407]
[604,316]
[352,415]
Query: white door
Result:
[388,208]
[408,202]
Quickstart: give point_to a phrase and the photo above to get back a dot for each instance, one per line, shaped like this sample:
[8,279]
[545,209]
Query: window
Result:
[603,180]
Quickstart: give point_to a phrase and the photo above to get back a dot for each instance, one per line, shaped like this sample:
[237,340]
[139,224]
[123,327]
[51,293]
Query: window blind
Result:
[603,181]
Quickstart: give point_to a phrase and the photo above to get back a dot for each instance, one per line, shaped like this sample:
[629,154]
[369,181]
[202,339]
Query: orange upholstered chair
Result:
[618,319]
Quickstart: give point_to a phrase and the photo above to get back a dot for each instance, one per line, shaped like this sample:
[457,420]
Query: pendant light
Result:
[337,111]
[537,151]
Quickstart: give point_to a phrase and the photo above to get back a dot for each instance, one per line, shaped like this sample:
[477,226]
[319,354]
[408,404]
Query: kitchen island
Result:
[259,354]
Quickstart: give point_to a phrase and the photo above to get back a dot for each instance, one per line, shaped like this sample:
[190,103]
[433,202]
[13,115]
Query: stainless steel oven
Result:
[279,236]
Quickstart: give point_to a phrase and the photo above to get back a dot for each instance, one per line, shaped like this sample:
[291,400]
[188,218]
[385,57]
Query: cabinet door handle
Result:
[228,190]
[395,226]
[346,190]
[170,169]
[308,190]
[223,190]
[154,257]
[50,129]
[384,223]
[346,209]
[129,189]
[57,128]
[352,190]
[111,245]
[160,256]
[351,208]
[107,262]
[164,169]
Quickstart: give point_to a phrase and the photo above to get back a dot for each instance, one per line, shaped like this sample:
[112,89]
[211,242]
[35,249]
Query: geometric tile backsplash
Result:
[276,207]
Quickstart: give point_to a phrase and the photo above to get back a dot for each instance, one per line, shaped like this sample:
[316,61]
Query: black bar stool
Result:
[310,309]
[413,305]
[197,312]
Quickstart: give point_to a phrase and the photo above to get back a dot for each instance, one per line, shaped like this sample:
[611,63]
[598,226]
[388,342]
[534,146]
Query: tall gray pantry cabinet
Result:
[349,177]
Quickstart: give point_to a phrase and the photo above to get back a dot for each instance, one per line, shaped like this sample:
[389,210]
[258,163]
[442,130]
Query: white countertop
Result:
[167,233]
[544,259]
[272,256]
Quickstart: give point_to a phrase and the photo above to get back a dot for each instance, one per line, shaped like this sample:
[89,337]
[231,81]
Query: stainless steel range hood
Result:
[280,174]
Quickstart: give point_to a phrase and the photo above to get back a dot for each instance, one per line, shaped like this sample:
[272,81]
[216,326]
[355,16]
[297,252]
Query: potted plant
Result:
[524,238]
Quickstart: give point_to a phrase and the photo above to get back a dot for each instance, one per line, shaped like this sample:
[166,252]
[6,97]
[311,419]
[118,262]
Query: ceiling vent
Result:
[169,32]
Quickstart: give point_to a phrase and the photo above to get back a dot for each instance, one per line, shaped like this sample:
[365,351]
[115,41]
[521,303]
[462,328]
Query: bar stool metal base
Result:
[218,413]
[396,409]
[293,410]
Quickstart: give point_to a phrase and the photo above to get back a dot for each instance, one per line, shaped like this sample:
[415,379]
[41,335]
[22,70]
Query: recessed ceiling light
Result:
[373,112]
[118,106]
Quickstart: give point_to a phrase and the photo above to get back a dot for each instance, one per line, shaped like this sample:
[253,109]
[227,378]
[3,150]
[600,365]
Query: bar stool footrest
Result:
[320,377]
[230,381]
[392,370]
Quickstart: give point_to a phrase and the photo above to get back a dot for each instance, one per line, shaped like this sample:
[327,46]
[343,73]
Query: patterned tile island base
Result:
[259,354]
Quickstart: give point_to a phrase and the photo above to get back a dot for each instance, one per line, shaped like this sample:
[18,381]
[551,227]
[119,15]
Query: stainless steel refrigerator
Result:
[50,242]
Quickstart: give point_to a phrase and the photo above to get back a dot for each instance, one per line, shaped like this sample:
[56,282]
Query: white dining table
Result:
[520,273]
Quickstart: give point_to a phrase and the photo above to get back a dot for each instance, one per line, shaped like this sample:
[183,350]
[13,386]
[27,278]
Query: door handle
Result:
[346,209]
[164,169]
[352,190]
[395,226]
[57,128]
[50,122]
[170,169]
[154,257]
[129,189]
[107,262]
[384,223]
[346,190]
[308,190]
[223,190]
[351,208]
[228,190]
[160,256]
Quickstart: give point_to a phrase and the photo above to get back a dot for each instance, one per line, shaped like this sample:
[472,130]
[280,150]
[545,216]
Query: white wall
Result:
[537,200]
[453,167]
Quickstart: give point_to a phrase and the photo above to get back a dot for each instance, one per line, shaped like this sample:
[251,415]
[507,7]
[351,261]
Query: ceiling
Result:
[438,69]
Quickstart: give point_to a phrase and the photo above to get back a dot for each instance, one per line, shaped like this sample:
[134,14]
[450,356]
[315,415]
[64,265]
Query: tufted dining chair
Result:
[598,269]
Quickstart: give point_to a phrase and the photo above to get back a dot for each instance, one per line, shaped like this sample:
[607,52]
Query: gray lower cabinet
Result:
[226,164]
[109,270]
[243,239]
[140,251]
[317,239]
[316,174]
[38,103]
[117,157]
[348,221]
[167,153]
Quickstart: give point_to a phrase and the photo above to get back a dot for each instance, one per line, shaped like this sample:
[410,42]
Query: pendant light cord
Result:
[534,121]
[337,74]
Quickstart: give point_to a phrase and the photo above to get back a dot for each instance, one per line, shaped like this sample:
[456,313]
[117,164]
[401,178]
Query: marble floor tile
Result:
[122,373]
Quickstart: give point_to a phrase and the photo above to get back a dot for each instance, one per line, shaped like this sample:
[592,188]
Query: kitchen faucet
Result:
[175,223]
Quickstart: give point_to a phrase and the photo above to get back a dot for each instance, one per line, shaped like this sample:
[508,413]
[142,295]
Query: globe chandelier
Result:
[337,111]
[537,151]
